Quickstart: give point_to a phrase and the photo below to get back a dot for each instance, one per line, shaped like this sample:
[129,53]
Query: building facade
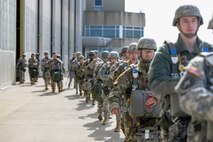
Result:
[107,19]
[35,26]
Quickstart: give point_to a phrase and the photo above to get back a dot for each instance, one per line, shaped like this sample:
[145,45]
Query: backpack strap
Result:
[205,47]
[174,57]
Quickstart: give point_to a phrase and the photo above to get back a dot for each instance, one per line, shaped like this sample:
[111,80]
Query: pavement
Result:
[31,114]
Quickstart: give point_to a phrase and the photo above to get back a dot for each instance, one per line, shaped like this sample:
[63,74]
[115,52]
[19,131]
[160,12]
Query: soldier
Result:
[45,68]
[133,59]
[89,66]
[75,64]
[71,69]
[106,75]
[63,71]
[168,66]
[98,83]
[124,54]
[195,90]
[80,73]
[21,65]
[130,83]
[33,68]
[56,72]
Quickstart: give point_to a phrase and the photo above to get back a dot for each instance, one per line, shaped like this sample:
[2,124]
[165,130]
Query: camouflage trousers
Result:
[53,85]
[71,77]
[21,76]
[46,77]
[105,105]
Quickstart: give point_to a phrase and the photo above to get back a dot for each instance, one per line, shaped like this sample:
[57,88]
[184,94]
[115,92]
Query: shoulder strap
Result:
[174,57]
[135,77]
[205,47]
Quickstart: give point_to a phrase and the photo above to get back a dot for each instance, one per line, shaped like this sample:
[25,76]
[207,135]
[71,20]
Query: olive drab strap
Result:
[174,58]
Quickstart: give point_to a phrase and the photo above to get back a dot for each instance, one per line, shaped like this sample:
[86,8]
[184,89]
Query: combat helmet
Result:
[210,26]
[91,54]
[81,57]
[105,54]
[132,47]
[46,53]
[187,10]
[113,54]
[124,49]
[147,43]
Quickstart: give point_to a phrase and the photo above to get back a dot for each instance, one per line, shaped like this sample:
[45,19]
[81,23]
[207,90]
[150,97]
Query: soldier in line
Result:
[45,68]
[56,72]
[89,66]
[106,75]
[63,71]
[80,74]
[195,90]
[37,57]
[75,64]
[33,68]
[124,54]
[134,78]
[133,59]
[97,90]
[168,66]
[21,65]
[71,69]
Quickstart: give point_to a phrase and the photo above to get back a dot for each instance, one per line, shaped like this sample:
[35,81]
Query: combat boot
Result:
[100,117]
[118,124]
[106,119]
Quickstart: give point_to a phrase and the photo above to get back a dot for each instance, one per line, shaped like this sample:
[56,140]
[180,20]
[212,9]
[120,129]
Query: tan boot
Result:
[118,124]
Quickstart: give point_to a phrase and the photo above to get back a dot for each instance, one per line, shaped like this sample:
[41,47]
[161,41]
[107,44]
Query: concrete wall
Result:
[7,42]
[118,5]
[56,26]
[114,18]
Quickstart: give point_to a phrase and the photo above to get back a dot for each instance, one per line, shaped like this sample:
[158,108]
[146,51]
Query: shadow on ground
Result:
[100,133]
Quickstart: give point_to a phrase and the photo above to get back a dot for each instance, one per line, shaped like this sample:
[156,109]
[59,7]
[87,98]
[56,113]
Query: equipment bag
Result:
[33,72]
[138,107]
[87,85]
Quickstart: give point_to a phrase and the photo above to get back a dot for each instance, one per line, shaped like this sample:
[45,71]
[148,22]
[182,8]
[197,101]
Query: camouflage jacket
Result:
[21,64]
[56,65]
[96,74]
[80,71]
[45,64]
[106,74]
[160,80]
[89,67]
[71,65]
[195,88]
[123,84]
[33,63]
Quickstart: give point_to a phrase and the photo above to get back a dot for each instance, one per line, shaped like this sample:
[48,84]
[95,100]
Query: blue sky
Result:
[160,13]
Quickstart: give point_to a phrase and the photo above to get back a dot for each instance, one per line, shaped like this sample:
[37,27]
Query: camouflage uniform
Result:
[33,68]
[119,70]
[97,90]
[45,68]
[75,65]
[80,73]
[63,72]
[21,65]
[195,91]
[89,66]
[106,75]
[124,86]
[56,72]
[71,69]
[167,68]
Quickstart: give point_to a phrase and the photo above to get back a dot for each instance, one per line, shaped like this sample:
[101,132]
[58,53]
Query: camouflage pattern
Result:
[132,47]
[210,25]
[123,86]
[71,69]
[21,65]
[45,68]
[161,82]
[147,43]
[195,91]
[33,67]
[113,54]
[187,10]
[106,75]
[80,73]
[89,66]
[56,66]
[124,49]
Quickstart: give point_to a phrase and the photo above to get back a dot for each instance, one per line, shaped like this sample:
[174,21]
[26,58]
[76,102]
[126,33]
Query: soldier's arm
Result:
[122,83]
[160,80]
[102,73]
[195,99]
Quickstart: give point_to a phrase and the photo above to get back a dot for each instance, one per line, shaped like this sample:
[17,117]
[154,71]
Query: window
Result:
[98,3]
